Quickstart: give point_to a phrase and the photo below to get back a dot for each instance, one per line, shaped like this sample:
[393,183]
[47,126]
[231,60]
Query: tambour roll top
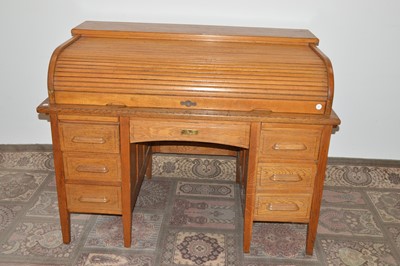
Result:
[192,67]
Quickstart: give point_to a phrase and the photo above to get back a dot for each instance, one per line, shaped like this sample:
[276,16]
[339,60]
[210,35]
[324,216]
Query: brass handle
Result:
[290,146]
[89,140]
[92,169]
[286,178]
[189,132]
[281,206]
[188,103]
[93,200]
[120,105]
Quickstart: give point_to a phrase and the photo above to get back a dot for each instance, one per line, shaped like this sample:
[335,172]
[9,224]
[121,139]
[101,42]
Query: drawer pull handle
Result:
[188,103]
[92,169]
[93,200]
[289,146]
[189,132]
[286,178]
[282,206]
[90,140]
[117,105]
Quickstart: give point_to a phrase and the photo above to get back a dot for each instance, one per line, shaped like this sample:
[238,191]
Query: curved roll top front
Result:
[210,75]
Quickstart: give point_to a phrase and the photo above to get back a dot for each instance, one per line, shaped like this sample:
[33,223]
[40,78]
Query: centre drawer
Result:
[234,134]
[94,199]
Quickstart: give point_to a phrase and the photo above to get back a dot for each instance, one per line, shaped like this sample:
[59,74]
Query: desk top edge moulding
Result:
[117,89]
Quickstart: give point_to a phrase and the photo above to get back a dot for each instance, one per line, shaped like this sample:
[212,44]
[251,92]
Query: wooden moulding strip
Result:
[257,115]
[194,32]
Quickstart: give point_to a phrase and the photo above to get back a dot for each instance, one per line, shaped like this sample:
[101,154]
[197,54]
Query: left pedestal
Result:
[88,167]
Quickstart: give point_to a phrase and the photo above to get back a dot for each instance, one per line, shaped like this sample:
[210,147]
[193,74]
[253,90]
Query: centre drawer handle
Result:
[118,105]
[91,140]
[281,206]
[92,169]
[286,178]
[93,200]
[290,146]
[188,103]
[189,132]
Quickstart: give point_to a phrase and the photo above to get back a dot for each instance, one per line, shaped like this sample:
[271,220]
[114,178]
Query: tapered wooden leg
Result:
[248,230]
[251,185]
[65,220]
[318,188]
[126,189]
[311,236]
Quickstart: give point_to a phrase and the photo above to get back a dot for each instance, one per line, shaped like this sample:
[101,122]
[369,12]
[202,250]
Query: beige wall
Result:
[360,36]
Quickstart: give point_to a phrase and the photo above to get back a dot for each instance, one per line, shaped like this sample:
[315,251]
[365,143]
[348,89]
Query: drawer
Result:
[282,207]
[287,176]
[92,167]
[93,199]
[197,131]
[89,137]
[291,142]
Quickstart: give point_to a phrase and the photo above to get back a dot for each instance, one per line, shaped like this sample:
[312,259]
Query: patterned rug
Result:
[189,214]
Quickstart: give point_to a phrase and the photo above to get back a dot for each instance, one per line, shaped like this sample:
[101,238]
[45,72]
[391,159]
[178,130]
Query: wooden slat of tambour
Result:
[145,64]
[195,77]
[182,74]
[127,81]
[220,94]
[268,78]
[227,69]
[228,92]
[245,88]
[193,67]
[155,88]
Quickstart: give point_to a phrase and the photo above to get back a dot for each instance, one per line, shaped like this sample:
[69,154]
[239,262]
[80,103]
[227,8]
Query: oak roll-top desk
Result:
[115,89]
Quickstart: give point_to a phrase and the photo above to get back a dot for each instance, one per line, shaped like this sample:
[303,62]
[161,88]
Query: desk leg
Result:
[65,219]
[126,180]
[318,188]
[251,185]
